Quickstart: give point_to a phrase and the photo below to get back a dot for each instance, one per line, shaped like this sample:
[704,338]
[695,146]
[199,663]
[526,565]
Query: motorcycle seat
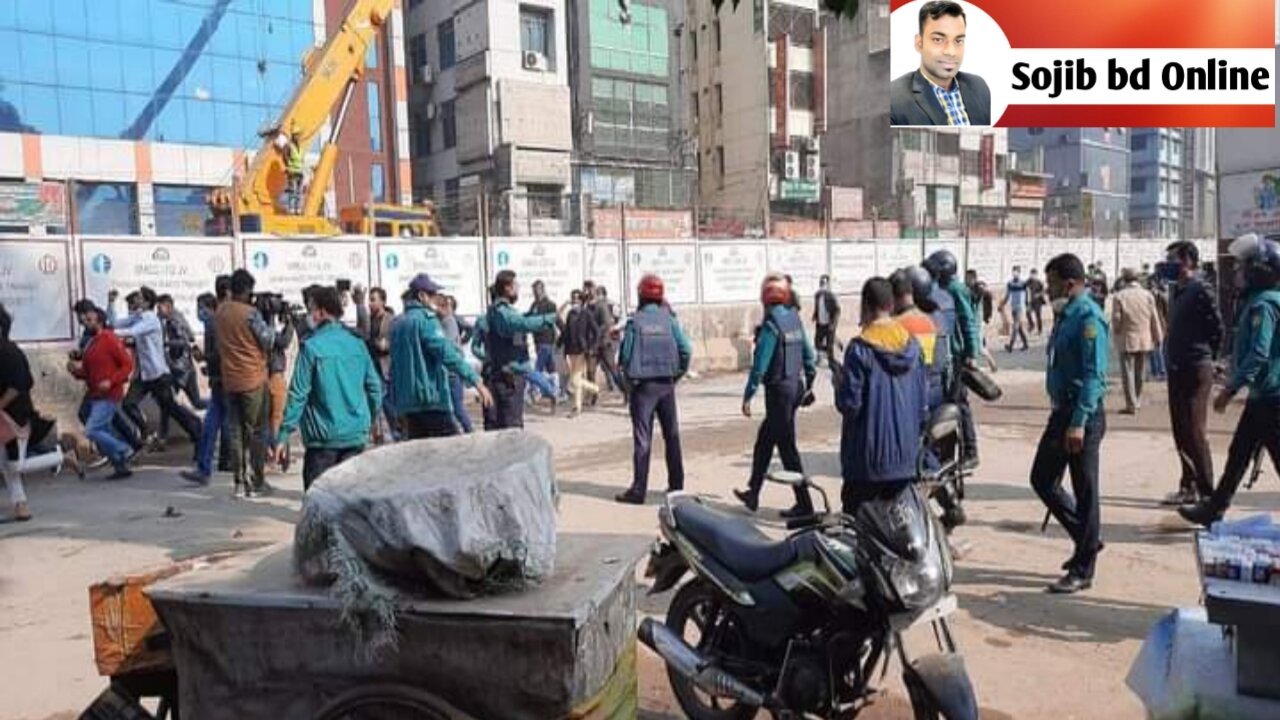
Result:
[734,542]
[943,422]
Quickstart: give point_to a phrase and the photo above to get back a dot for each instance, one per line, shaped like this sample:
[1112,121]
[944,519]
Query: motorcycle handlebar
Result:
[803,522]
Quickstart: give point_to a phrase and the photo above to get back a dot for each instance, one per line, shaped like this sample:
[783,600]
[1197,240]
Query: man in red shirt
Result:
[105,369]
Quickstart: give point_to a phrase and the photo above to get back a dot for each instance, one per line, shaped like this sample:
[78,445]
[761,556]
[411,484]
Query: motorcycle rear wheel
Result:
[695,616]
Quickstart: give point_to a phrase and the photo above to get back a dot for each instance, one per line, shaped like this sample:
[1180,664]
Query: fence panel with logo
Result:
[675,262]
[852,264]
[181,267]
[35,287]
[893,255]
[805,262]
[986,257]
[556,261]
[288,266]
[731,271]
[455,263]
[602,264]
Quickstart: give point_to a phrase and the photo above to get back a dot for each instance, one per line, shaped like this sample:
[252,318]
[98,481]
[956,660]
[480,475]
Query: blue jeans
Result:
[543,384]
[98,429]
[214,416]
[389,410]
[459,405]
[1157,362]
[546,364]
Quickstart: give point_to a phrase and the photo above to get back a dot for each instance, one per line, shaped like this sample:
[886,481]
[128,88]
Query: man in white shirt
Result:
[143,328]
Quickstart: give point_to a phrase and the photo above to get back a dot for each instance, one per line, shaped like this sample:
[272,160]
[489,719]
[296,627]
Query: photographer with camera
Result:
[279,317]
[244,341]
[179,341]
[144,328]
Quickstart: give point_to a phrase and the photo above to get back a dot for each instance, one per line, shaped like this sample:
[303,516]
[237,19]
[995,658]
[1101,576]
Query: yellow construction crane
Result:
[330,76]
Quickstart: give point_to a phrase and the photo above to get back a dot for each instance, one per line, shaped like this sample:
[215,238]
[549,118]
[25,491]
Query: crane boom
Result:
[330,75]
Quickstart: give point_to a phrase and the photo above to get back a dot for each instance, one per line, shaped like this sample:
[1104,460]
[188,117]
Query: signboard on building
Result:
[179,267]
[35,287]
[845,203]
[732,272]
[454,263]
[805,262]
[1249,202]
[557,262]
[800,190]
[851,265]
[642,224]
[288,266]
[675,262]
[987,161]
[602,264]
[33,204]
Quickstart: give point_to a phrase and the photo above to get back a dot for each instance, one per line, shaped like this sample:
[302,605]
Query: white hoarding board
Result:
[852,264]
[675,262]
[557,262]
[1021,254]
[455,264]
[805,262]
[1104,254]
[986,256]
[732,272]
[892,255]
[35,287]
[183,268]
[1208,250]
[288,266]
[602,264]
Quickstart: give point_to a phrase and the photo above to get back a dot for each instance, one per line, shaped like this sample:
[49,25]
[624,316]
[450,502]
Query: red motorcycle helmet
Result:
[651,289]
[775,292]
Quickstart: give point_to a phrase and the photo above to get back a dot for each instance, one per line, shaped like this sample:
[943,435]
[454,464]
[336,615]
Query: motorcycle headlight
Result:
[918,585]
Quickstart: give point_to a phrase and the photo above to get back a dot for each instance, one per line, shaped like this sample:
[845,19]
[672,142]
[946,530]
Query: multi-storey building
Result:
[1155,182]
[1090,168]
[139,107]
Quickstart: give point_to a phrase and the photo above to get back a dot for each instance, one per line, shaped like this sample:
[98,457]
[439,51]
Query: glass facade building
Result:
[209,72]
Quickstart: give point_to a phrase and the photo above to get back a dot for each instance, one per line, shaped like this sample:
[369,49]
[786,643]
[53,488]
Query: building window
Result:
[421,135]
[693,38]
[545,202]
[444,38]
[180,209]
[1138,185]
[417,56]
[375,118]
[377,183]
[449,123]
[1138,143]
[948,144]
[535,31]
[697,109]
[970,165]
[414,3]
[631,116]
[107,208]
[1104,173]
[371,55]
[719,38]
[719,104]
[801,91]
[720,166]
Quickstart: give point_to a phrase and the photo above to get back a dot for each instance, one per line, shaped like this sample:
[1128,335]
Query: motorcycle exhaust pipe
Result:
[691,664]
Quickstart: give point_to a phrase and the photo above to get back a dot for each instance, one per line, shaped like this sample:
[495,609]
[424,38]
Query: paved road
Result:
[1024,648]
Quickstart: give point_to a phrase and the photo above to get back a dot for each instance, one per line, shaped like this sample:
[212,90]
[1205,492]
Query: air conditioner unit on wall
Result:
[792,166]
[426,74]
[811,167]
[535,61]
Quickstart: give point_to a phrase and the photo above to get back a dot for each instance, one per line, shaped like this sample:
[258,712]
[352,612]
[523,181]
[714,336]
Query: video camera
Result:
[273,306]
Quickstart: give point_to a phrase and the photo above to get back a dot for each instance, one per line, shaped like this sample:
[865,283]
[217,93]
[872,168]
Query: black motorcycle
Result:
[798,627]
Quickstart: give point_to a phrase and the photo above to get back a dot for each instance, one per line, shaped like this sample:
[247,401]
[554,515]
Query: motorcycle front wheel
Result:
[697,616]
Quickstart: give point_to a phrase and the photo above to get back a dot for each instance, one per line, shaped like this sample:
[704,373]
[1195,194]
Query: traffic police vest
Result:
[501,351]
[788,355]
[655,355]
[944,325]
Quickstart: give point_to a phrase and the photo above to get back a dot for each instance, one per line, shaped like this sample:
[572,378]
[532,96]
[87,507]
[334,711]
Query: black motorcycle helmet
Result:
[1260,259]
[942,266]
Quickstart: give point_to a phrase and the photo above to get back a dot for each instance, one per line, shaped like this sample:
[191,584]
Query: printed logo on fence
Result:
[355,260]
[392,262]
[260,260]
[1090,63]
[48,264]
[217,265]
[160,255]
[101,264]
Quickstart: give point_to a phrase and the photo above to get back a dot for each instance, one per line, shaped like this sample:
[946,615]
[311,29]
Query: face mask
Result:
[1058,305]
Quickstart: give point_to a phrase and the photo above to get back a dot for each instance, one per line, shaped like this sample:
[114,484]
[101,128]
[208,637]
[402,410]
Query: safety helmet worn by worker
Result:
[942,266]
[775,292]
[651,289]
[1260,259]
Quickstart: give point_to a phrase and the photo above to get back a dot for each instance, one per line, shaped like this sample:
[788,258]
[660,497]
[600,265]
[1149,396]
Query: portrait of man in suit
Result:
[937,93]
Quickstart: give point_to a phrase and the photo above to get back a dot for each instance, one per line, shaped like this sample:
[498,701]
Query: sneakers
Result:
[195,476]
[1203,513]
[98,462]
[1069,584]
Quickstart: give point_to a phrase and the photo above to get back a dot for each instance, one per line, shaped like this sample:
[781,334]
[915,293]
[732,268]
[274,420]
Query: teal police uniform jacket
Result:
[503,338]
[1078,355]
[1256,357]
[966,341]
[767,346]
[421,359]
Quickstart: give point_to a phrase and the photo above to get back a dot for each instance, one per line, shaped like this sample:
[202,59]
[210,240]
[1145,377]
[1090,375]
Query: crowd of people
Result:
[362,374]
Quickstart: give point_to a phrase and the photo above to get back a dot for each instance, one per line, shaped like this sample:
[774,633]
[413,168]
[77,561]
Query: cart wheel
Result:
[389,702]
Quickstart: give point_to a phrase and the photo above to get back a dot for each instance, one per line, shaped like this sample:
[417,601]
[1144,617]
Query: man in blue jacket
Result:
[1076,381]
[1256,366]
[785,364]
[655,355]
[421,359]
[506,353]
[882,395]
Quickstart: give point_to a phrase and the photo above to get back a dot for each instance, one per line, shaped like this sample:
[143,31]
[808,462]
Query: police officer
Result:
[1256,365]
[506,353]
[655,354]
[965,343]
[908,284]
[784,362]
[1076,381]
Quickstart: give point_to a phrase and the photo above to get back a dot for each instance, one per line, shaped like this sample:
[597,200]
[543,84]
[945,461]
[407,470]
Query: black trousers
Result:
[1036,318]
[650,398]
[1079,512]
[606,356]
[507,410]
[778,430]
[186,383]
[1189,391]
[823,335]
[161,389]
[317,460]
[430,424]
[1259,428]
[959,394]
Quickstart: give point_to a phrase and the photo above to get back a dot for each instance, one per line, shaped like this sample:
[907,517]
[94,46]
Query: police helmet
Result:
[1260,259]
[942,265]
